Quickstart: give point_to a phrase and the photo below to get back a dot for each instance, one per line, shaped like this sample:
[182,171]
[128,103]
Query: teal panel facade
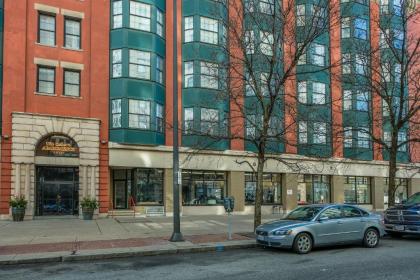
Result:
[313,77]
[357,101]
[198,96]
[137,59]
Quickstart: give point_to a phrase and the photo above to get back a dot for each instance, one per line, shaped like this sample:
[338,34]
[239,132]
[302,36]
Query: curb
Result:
[106,254]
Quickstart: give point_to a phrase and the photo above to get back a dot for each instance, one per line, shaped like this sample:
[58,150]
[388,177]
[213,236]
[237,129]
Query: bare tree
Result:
[388,78]
[265,43]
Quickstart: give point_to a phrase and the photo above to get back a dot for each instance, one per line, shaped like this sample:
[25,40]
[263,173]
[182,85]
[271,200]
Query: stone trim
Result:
[29,129]
[46,62]
[73,14]
[46,8]
[71,65]
[154,158]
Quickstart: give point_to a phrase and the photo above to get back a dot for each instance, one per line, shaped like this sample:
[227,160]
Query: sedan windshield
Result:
[414,199]
[304,213]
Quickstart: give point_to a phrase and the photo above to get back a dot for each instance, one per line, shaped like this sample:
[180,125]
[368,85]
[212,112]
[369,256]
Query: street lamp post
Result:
[176,235]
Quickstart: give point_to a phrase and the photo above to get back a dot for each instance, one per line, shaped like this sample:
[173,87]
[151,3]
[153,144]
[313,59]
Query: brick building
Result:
[54,104]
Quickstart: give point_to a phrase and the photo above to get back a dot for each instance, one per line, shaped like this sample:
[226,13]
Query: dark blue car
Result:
[404,218]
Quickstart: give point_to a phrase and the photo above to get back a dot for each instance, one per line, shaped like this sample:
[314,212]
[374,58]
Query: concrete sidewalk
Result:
[64,239]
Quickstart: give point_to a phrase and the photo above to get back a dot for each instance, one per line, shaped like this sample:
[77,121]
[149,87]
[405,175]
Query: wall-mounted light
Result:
[5,136]
[104,142]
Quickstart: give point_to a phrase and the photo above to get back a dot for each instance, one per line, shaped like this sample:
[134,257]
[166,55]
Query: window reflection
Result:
[313,189]
[271,188]
[203,187]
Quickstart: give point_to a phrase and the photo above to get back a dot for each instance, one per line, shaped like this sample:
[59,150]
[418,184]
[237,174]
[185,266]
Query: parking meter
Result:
[229,204]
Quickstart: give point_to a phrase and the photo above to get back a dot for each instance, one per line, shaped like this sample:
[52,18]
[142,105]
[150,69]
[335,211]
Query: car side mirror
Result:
[323,219]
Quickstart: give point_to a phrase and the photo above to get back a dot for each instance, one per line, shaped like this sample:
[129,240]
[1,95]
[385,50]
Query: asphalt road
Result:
[393,259]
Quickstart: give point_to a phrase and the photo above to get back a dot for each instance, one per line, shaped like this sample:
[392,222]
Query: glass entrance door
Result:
[57,191]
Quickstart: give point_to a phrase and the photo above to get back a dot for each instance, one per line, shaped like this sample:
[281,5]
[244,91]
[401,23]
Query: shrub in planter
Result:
[18,205]
[88,207]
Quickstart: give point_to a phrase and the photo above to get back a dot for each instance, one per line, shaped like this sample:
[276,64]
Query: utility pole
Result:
[176,235]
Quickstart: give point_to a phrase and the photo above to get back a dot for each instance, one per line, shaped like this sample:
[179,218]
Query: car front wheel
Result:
[303,243]
[371,239]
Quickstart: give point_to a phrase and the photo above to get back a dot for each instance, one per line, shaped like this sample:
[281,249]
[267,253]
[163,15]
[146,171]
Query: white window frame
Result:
[318,54]
[188,74]
[160,23]
[188,29]
[302,58]
[188,120]
[140,63]
[140,16]
[300,15]
[209,30]
[117,14]
[363,138]
[210,117]
[303,92]
[160,124]
[347,100]
[346,61]
[319,133]
[117,63]
[267,6]
[318,93]
[348,137]
[303,132]
[250,42]
[266,43]
[209,75]
[116,113]
[139,113]
[345,27]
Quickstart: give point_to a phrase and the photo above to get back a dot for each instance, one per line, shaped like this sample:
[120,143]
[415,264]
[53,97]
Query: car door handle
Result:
[339,222]
[363,220]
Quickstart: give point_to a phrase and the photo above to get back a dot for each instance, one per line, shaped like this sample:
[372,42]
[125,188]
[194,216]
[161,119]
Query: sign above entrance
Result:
[57,146]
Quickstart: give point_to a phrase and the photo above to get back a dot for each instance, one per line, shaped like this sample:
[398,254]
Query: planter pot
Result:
[18,214]
[88,213]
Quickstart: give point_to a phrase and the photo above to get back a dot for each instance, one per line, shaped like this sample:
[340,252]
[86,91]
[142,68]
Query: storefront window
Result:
[401,192]
[357,190]
[271,188]
[148,186]
[313,189]
[203,187]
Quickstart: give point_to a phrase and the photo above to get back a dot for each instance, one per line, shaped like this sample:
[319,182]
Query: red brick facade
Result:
[20,75]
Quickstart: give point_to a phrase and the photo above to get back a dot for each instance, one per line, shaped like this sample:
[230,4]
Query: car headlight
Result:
[282,232]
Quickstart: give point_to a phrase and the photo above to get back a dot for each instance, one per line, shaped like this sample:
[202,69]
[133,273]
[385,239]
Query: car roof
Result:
[329,204]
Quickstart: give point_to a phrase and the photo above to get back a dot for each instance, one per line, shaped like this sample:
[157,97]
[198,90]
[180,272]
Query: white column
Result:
[27,188]
[92,182]
[17,180]
[84,181]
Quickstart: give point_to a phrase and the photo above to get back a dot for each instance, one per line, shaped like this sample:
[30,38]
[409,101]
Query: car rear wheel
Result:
[371,239]
[303,243]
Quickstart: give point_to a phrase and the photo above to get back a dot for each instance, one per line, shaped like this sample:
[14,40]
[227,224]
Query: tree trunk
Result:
[392,170]
[259,191]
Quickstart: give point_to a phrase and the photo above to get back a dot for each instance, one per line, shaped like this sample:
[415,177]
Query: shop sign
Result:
[57,146]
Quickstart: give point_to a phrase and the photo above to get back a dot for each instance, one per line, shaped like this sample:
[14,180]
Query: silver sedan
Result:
[322,225]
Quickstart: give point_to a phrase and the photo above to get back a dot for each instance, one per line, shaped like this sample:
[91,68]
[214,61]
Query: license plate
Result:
[260,237]
[399,228]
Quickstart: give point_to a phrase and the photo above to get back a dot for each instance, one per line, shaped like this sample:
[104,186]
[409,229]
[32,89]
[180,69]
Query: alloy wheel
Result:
[303,243]
[371,238]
